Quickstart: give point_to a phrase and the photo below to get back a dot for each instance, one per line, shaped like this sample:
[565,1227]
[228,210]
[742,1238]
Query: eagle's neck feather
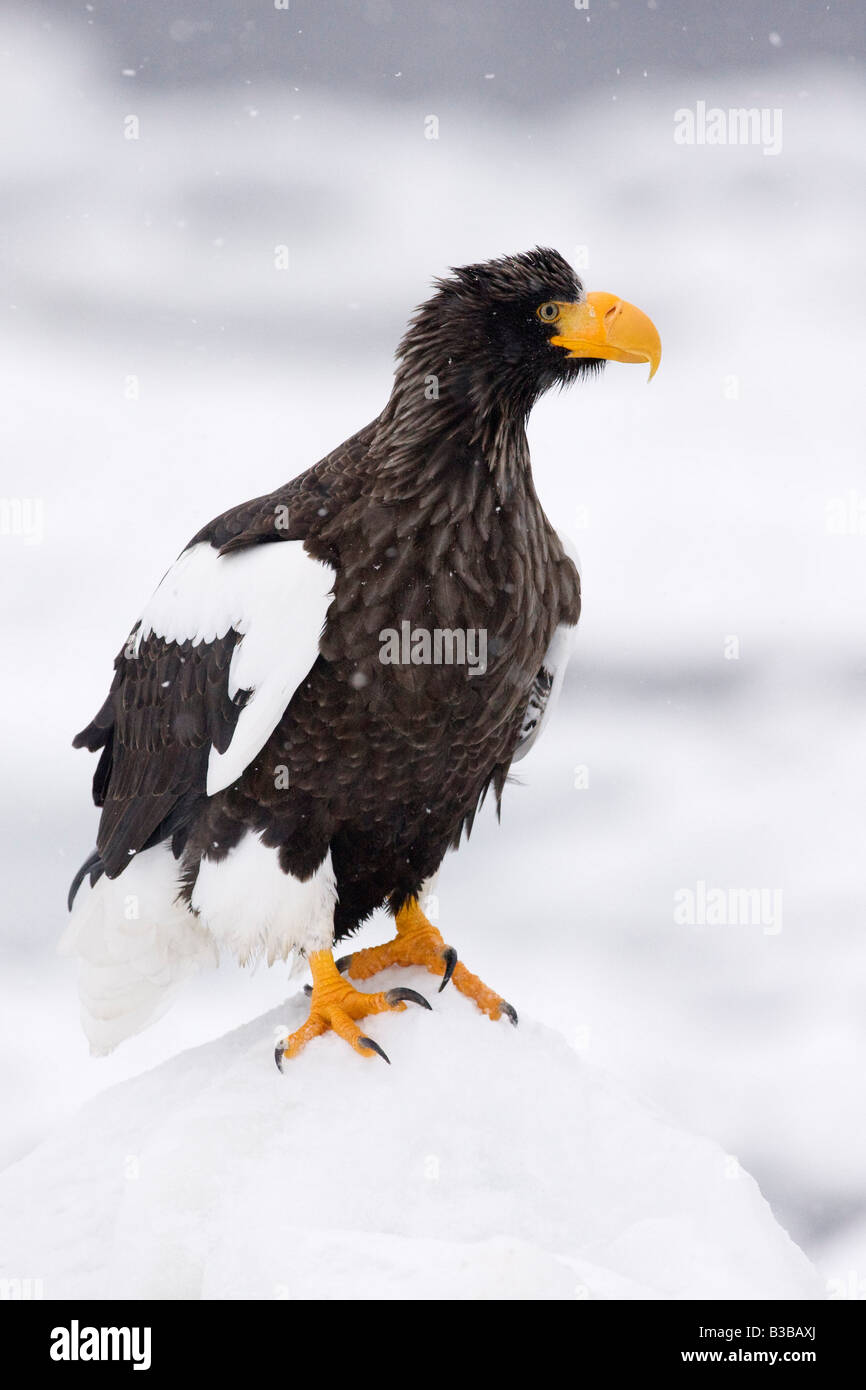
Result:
[436,428]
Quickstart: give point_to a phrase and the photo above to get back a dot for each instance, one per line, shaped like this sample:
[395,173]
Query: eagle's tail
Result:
[93,866]
[135,943]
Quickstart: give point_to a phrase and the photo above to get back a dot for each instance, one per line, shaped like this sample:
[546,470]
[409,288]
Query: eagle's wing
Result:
[547,684]
[201,684]
[545,690]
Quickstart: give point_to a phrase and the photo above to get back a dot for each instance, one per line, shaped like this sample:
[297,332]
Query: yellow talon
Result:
[336,1005]
[418,942]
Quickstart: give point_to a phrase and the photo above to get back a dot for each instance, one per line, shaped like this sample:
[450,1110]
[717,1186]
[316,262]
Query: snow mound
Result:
[485,1162]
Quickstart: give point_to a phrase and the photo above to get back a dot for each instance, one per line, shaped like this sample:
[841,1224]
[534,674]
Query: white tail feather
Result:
[136,944]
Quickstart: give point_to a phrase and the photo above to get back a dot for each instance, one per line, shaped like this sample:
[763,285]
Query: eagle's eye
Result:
[548,313]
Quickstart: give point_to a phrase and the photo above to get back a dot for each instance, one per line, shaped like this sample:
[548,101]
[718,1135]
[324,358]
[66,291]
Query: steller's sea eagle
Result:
[285,747]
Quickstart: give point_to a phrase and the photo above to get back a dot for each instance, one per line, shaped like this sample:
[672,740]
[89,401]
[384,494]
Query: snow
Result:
[485,1163]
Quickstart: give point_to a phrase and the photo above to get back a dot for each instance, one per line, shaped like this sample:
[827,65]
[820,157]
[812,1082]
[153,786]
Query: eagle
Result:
[329,679]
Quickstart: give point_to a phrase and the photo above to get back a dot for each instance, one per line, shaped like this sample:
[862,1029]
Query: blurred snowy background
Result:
[157,366]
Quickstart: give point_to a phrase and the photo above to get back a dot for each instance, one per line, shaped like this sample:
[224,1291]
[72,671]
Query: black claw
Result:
[449,955]
[410,996]
[278,1056]
[308,989]
[509,1011]
[374,1047]
[343,964]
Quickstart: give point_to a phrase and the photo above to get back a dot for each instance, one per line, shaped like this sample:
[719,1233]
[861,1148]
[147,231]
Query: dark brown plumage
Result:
[427,517]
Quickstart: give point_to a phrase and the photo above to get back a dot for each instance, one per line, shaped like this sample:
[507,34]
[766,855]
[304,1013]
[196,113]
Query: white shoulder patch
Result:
[544,695]
[570,549]
[276,597]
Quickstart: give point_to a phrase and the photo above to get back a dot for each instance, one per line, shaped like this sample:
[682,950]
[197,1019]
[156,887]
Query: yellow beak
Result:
[604,326]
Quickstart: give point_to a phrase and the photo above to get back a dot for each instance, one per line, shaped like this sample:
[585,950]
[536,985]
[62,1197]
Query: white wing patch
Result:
[277,597]
[548,683]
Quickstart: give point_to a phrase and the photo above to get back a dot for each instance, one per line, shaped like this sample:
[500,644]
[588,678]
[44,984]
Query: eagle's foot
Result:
[336,1005]
[418,942]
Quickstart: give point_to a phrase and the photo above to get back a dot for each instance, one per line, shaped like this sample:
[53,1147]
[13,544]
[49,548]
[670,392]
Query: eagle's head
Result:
[496,335]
